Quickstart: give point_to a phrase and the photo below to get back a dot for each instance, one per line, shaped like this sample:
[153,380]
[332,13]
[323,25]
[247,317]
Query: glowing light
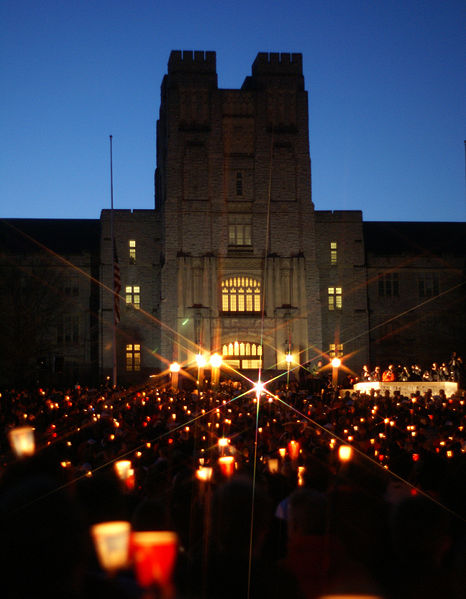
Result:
[345,453]
[204,474]
[200,360]
[216,360]
[258,388]
[301,471]
[122,468]
[227,465]
[288,358]
[111,540]
[223,442]
[336,363]
[273,465]
[293,448]
[282,452]
[154,554]
[174,367]
[22,440]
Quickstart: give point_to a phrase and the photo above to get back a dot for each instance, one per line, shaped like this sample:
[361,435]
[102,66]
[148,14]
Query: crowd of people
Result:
[445,371]
[292,520]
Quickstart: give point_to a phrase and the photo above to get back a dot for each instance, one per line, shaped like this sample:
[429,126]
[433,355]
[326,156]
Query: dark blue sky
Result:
[386,97]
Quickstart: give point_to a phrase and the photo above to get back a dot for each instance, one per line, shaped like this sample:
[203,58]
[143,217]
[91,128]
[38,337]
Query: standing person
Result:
[455,365]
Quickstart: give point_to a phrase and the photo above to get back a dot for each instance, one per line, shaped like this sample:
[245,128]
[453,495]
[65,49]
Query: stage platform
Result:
[406,389]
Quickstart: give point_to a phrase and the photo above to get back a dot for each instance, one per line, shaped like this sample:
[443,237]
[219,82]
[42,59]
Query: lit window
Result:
[333,253]
[335,350]
[241,294]
[133,357]
[335,299]
[242,354]
[133,296]
[239,229]
[428,284]
[132,251]
[388,284]
[239,183]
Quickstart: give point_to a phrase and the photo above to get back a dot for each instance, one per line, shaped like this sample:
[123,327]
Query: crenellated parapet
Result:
[189,61]
[278,63]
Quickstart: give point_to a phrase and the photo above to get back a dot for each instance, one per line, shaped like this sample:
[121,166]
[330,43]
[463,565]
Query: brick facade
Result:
[234,222]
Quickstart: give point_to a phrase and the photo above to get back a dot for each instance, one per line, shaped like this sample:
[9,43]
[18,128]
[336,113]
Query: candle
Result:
[273,465]
[154,556]
[301,470]
[111,541]
[293,448]
[227,465]
[204,473]
[345,453]
[22,440]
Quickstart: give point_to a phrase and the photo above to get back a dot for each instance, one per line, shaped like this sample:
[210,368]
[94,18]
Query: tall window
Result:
[242,354]
[388,284]
[333,253]
[133,357]
[428,284]
[335,350]
[71,286]
[239,229]
[133,296]
[239,183]
[241,294]
[68,327]
[335,298]
[132,251]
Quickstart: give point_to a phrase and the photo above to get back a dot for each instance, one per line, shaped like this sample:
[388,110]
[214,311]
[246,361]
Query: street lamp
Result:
[215,362]
[201,362]
[288,359]
[174,370]
[336,363]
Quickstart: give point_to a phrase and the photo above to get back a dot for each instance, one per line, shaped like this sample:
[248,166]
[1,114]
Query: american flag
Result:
[116,286]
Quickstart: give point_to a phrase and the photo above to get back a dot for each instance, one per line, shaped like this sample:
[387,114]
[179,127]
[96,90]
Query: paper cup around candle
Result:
[111,541]
[273,465]
[345,453]
[204,473]
[227,465]
[22,440]
[154,556]
[123,468]
[293,449]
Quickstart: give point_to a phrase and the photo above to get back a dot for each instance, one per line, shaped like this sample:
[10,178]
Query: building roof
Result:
[415,237]
[64,236]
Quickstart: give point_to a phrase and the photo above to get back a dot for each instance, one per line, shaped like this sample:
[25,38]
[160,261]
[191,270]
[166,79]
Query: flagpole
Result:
[114,351]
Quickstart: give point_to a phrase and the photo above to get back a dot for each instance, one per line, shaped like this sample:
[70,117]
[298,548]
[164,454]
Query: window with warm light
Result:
[335,298]
[132,251]
[245,355]
[335,350]
[239,230]
[333,253]
[133,357]
[241,294]
[133,296]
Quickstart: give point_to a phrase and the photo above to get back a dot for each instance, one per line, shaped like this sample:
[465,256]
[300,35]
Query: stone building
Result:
[234,258]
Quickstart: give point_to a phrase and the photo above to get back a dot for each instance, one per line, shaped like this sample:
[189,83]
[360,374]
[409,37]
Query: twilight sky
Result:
[385,78]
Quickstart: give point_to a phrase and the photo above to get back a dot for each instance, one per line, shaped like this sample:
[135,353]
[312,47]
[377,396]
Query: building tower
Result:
[233,194]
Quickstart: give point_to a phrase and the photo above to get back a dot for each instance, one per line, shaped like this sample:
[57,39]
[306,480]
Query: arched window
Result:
[241,294]
[242,354]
